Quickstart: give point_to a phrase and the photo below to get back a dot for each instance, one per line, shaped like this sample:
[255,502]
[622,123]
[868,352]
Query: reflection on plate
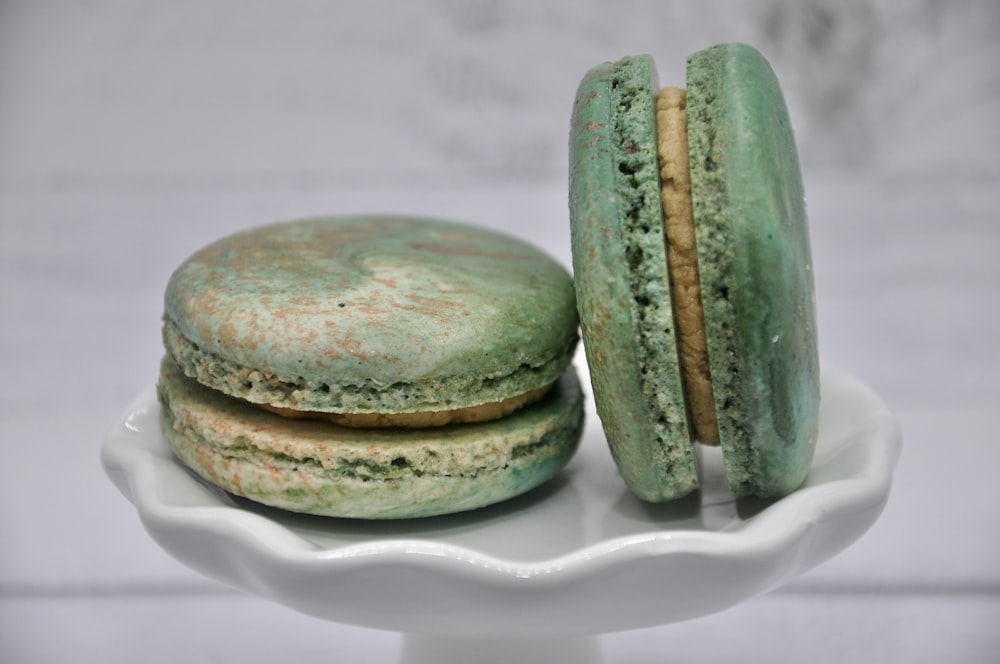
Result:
[578,555]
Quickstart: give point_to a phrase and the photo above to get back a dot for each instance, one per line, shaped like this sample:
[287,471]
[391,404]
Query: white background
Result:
[133,132]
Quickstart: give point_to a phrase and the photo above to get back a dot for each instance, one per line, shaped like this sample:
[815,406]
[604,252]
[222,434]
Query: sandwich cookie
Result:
[371,367]
[693,273]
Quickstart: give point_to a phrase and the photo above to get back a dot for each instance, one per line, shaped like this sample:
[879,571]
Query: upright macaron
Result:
[693,272]
[374,367]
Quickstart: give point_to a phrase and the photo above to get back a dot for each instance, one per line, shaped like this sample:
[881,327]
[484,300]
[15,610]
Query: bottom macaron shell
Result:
[319,468]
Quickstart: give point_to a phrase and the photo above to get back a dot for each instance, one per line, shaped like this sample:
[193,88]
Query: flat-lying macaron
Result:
[371,367]
[693,273]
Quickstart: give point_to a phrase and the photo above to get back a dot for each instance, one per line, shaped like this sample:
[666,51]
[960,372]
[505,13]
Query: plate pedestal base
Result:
[421,649]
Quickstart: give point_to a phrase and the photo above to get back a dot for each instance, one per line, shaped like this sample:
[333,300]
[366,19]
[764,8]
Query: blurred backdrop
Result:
[111,93]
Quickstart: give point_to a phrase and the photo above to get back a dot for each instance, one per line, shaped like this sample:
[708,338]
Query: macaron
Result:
[371,367]
[693,273]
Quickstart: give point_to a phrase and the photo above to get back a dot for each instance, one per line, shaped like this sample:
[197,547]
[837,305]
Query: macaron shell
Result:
[620,271]
[756,270]
[371,314]
[320,468]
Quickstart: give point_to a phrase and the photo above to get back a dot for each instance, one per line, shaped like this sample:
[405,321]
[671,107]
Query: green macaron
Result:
[373,367]
[693,273]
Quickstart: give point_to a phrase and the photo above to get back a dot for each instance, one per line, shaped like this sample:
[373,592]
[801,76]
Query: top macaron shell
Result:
[371,314]
[755,267]
[755,270]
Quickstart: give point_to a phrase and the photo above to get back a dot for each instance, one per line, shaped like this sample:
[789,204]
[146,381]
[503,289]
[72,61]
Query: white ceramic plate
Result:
[579,555]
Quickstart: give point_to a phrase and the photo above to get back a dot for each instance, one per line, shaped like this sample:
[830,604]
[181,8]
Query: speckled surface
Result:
[320,468]
[756,269]
[620,266]
[378,314]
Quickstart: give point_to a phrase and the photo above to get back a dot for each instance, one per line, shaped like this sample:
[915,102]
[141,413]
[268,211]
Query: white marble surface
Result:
[133,132]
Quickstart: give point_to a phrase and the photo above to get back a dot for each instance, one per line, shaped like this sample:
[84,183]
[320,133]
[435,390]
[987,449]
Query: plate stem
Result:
[563,649]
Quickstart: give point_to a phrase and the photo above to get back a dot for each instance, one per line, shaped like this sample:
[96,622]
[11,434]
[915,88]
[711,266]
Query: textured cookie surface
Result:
[371,315]
[756,272]
[320,468]
[620,268]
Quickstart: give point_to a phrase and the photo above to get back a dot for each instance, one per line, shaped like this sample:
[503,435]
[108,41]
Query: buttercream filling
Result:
[682,264]
[419,420]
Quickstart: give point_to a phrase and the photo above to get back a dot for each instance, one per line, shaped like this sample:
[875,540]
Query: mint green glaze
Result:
[371,314]
[320,468]
[756,270]
[620,267]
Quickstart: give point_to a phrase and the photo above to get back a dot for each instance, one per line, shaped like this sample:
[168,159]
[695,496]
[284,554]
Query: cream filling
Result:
[682,264]
[421,420]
